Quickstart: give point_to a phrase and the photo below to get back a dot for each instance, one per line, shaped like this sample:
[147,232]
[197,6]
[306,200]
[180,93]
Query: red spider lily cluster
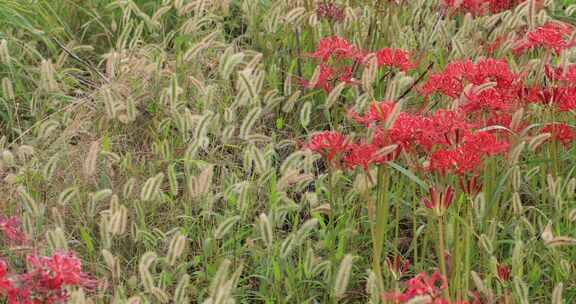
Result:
[338,59]
[452,144]
[427,288]
[45,281]
[481,7]
[552,36]
[474,101]
[11,231]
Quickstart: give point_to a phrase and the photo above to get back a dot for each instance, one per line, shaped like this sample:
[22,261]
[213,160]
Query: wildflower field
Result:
[288,151]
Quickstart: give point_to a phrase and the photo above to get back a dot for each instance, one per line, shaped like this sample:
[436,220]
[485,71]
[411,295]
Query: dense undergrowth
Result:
[289,151]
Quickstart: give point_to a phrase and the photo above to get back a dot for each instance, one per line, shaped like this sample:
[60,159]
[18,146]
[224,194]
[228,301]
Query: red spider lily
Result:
[448,82]
[11,230]
[421,285]
[560,132]
[488,100]
[481,7]
[503,272]
[457,161]
[485,143]
[553,36]
[377,113]
[491,47]
[564,98]
[364,155]
[397,267]
[330,12]
[323,81]
[46,280]
[451,80]
[395,58]
[5,283]
[501,120]
[408,130]
[566,75]
[471,186]
[337,48]
[467,156]
[439,201]
[329,144]
[447,128]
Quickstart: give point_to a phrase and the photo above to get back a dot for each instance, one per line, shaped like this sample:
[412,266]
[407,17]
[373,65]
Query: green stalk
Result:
[414,223]
[441,256]
[381,223]
[467,247]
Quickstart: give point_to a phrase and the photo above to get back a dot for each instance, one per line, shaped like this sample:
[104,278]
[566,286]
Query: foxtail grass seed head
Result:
[173,180]
[48,77]
[249,121]
[144,269]
[517,206]
[4,52]
[538,140]
[225,227]
[91,160]
[119,221]
[8,158]
[557,294]
[220,277]
[151,189]
[112,263]
[335,94]
[265,228]
[50,167]
[290,103]
[571,188]
[57,240]
[516,152]
[101,195]
[181,292]
[486,292]
[46,129]
[521,290]
[516,178]
[160,295]
[128,187]
[8,89]
[176,248]
[343,276]
[305,114]
[29,203]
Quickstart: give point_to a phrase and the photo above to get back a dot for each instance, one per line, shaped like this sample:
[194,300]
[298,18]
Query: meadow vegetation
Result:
[287,151]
